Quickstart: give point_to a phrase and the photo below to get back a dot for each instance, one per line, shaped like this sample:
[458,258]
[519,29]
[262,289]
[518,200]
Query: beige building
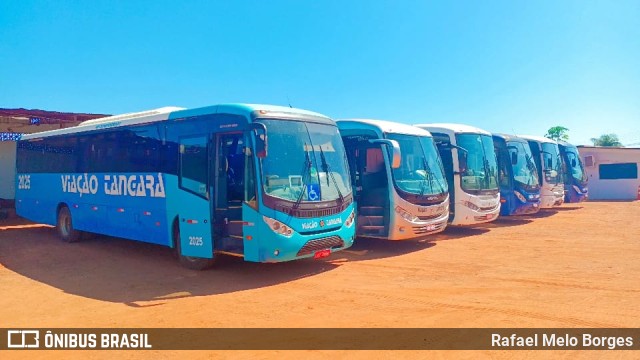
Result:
[13,123]
[612,172]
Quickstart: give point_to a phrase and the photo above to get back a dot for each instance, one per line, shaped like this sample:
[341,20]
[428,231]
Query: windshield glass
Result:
[478,166]
[421,170]
[305,162]
[551,163]
[524,170]
[574,164]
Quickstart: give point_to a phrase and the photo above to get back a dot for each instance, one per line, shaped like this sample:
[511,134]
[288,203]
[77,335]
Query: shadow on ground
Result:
[543,213]
[568,208]
[506,221]
[370,249]
[128,272]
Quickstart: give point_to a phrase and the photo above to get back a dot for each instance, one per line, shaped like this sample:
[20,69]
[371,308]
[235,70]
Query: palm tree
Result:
[606,140]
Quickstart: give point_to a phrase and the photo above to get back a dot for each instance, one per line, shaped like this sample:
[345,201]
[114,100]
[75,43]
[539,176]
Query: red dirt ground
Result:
[576,266]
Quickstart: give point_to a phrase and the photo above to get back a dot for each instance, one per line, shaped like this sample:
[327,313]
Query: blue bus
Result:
[575,178]
[399,183]
[549,165]
[265,183]
[517,175]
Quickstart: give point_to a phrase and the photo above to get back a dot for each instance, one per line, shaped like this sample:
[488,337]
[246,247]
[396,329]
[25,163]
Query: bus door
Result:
[443,142]
[505,164]
[229,189]
[370,183]
[193,204]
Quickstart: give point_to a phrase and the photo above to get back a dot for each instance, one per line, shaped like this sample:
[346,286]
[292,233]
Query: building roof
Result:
[49,117]
[608,148]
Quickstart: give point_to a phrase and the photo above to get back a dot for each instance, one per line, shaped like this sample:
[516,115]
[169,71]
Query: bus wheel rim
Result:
[66,225]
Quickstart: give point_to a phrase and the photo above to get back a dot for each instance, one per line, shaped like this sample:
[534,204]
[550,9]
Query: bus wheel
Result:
[190,262]
[65,226]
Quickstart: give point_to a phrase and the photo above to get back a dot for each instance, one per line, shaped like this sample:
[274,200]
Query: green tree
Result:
[557,133]
[606,140]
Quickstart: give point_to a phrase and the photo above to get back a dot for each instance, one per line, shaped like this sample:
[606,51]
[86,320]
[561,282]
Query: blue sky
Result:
[506,66]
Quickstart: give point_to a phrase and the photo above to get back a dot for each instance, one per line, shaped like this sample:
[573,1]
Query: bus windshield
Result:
[551,163]
[524,170]
[478,164]
[574,164]
[306,162]
[421,171]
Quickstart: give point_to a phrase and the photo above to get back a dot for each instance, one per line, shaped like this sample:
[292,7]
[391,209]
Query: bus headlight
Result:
[520,196]
[470,205]
[350,219]
[405,214]
[278,227]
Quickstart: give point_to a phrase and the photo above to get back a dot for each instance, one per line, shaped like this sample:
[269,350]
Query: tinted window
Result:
[133,150]
[619,171]
[50,155]
[193,165]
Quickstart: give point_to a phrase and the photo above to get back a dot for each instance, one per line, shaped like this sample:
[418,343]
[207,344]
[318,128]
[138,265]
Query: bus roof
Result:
[540,139]
[172,113]
[566,144]
[455,128]
[508,137]
[386,126]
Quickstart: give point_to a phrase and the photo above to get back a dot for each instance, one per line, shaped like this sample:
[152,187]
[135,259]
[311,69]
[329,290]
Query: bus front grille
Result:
[329,242]
[490,208]
[429,217]
[427,229]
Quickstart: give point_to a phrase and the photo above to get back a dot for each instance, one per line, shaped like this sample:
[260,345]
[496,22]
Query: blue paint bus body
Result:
[197,180]
[519,185]
[575,178]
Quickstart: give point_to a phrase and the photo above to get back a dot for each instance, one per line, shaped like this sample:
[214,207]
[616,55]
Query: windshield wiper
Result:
[306,173]
[327,170]
[531,168]
[485,165]
[427,168]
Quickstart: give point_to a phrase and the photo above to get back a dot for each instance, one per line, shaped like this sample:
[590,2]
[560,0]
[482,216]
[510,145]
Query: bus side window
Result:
[194,165]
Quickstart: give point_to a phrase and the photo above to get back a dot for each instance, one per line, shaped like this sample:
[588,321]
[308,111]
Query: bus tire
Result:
[190,262]
[64,226]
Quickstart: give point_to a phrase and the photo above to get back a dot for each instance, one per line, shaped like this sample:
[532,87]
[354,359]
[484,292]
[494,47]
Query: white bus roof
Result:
[455,128]
[540,139]
[389,126]
[166,113]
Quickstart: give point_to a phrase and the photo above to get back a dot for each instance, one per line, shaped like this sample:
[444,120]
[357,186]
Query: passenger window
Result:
[194,165]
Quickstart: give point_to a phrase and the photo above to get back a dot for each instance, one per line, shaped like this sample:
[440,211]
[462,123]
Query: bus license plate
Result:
[322,254]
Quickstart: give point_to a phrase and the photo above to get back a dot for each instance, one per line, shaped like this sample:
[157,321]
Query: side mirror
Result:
[393,145]
[514,159]
[260,131]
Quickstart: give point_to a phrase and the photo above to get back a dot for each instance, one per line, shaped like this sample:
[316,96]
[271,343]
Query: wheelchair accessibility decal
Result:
[313,192]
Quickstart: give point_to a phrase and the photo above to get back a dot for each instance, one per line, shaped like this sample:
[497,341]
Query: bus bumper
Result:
[406,230]
[317,246]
